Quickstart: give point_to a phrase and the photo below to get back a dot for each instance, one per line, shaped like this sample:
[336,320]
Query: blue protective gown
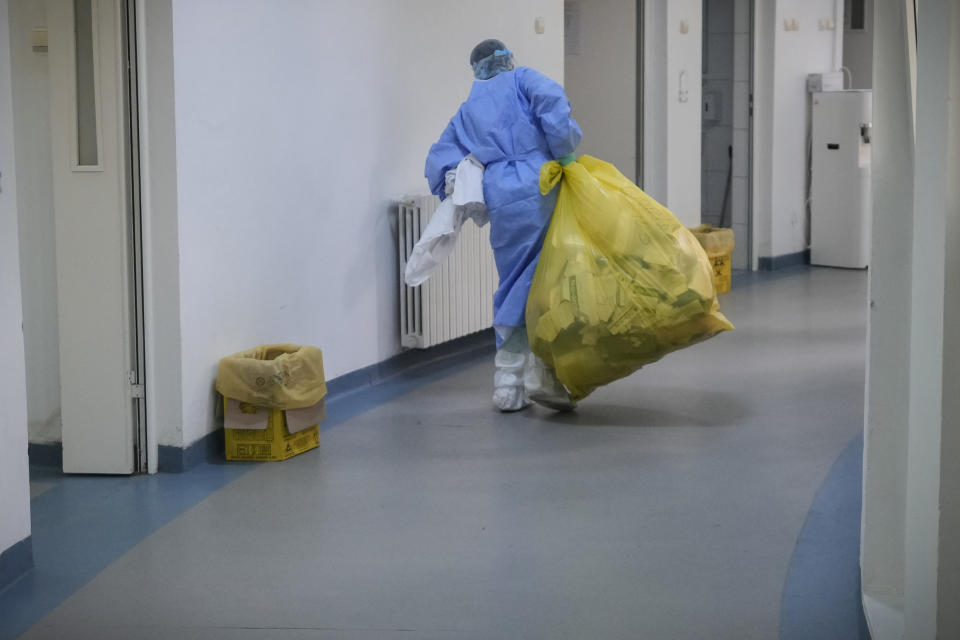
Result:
[513,123]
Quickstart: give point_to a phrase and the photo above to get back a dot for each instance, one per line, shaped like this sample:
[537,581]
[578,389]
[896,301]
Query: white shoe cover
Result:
[509,399]
[508,391]
[544,388]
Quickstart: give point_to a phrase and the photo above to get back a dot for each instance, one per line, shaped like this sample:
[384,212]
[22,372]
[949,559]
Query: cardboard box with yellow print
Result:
[258,434]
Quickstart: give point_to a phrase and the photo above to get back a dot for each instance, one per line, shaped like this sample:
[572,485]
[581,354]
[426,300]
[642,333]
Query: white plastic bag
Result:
[440,236]
[468,187]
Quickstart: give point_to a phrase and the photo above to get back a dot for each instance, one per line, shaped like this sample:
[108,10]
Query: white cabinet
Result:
[840,200]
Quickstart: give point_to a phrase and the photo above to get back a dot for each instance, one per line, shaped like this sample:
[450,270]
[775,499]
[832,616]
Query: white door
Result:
[92,234]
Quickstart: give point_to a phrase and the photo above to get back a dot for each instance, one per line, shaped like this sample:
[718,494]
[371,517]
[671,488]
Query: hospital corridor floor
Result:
[713,495]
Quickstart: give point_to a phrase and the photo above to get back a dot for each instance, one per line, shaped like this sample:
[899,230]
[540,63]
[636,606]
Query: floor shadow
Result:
[654,408]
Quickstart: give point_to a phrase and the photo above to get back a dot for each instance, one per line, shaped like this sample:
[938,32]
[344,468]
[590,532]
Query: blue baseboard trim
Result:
[467,347]
[15,561]
[782,262]
[210,447]
[47,454]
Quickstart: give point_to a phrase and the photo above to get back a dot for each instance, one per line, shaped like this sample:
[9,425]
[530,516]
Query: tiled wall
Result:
[717,81]
[727,76]
[740,193]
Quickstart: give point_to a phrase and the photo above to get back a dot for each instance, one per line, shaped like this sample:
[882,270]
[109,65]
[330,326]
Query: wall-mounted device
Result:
[822,82]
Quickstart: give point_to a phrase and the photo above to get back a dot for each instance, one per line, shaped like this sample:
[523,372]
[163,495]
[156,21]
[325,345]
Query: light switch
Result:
[711,103]
[540,25]
[38,39]
[684,26]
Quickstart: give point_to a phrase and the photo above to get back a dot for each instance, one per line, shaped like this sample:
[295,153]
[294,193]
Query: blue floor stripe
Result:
[84,523]
[821,596]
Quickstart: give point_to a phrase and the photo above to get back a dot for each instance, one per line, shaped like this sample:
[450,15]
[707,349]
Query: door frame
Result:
[750,243]
[752,254]
[134,177]
[641,46]
[150,274]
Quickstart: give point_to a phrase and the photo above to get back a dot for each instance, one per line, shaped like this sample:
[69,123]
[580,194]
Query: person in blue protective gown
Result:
[514,120]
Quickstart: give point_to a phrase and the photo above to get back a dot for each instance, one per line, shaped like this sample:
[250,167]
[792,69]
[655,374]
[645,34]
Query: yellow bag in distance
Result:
[620,282]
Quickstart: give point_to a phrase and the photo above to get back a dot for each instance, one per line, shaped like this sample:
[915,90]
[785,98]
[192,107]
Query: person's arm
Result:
[445,155]
[552,110]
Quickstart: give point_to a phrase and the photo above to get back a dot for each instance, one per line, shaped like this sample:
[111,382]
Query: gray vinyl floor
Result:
[668,506]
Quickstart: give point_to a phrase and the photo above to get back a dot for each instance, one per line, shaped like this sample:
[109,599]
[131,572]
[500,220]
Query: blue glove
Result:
[567,159]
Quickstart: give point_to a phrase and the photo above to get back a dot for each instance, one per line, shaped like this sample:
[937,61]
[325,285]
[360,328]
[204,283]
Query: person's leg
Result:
[509,393]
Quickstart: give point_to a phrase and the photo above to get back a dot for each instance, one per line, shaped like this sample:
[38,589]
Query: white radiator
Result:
[457,300]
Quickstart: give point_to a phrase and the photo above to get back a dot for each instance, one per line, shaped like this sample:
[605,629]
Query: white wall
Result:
[858,51]
[297,126]
[948,615]
[783,59]
[910,552]
[684,55]
[160,223]
[31,108]
[926,364]
[888,377]
[932,552]
[764,85]
[601,81]
[655,99]
[797,54]
[14,480]
[671,144]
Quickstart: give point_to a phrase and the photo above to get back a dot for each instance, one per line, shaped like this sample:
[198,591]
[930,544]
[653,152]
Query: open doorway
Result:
[75,126]
[726,123]
[603,79]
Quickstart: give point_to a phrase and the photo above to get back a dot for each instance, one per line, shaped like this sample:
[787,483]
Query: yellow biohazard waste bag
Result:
[276,376]
[620,282]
